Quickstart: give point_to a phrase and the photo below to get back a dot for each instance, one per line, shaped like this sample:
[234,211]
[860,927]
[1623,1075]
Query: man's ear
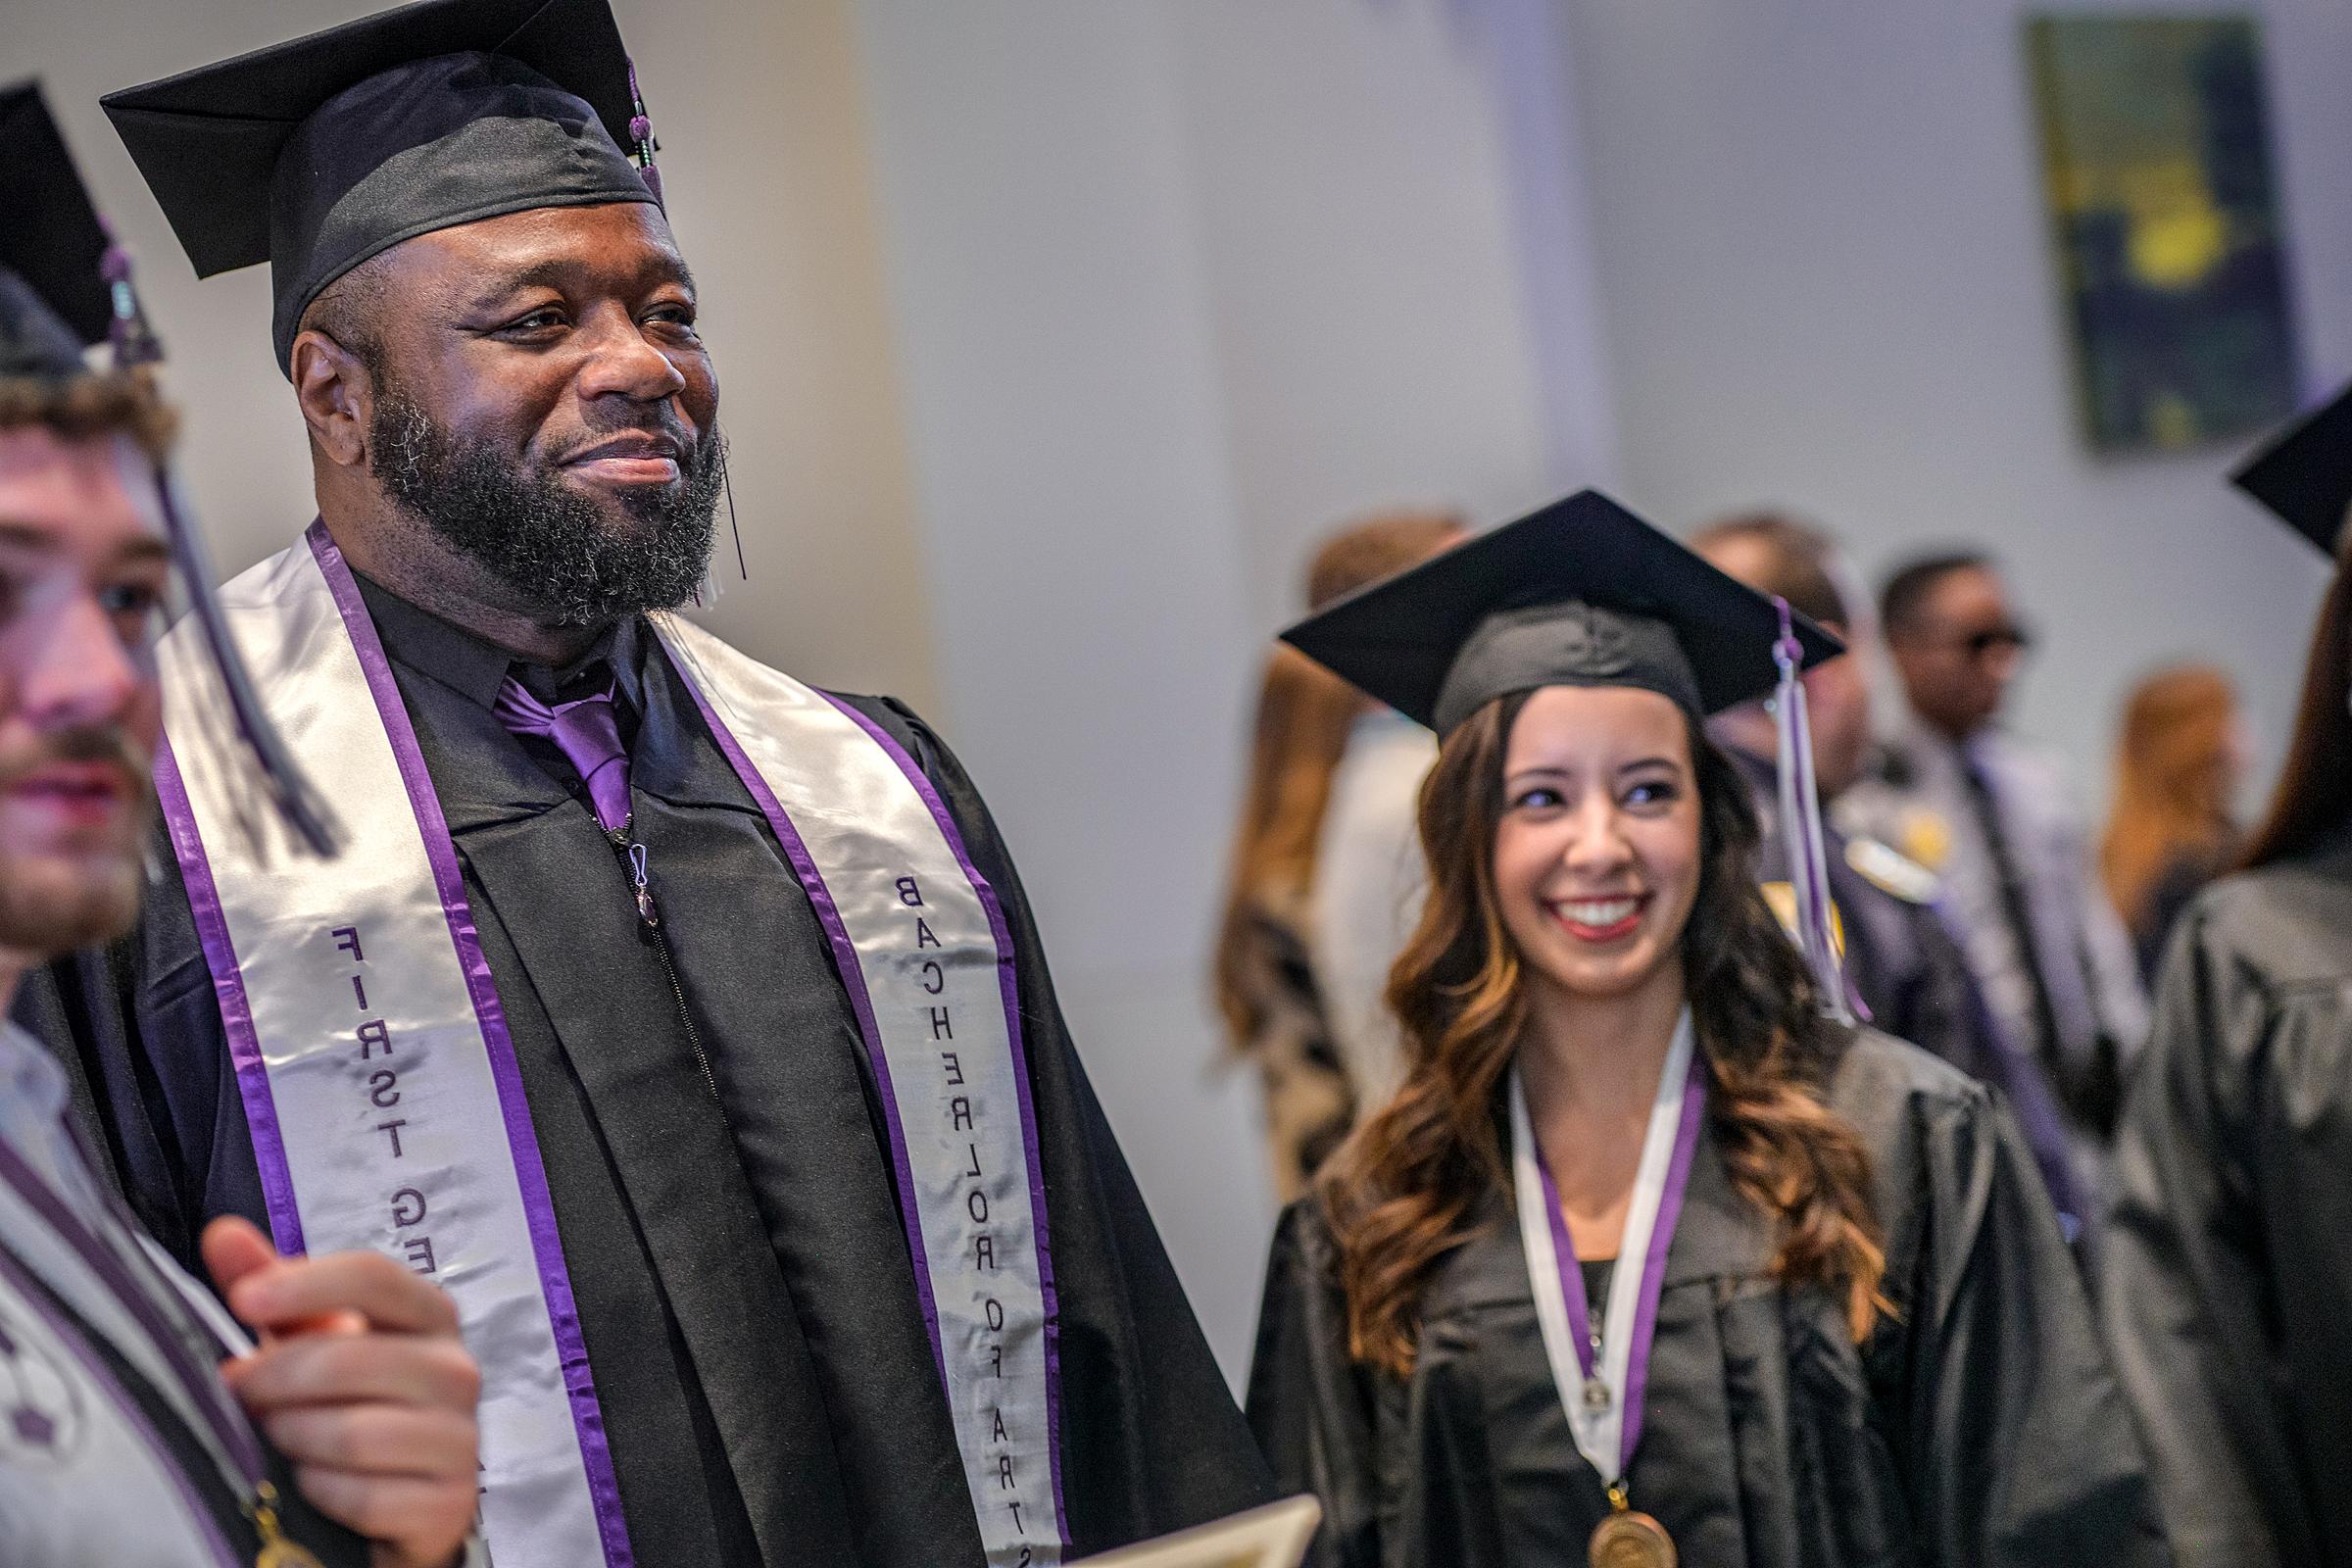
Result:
[336,395]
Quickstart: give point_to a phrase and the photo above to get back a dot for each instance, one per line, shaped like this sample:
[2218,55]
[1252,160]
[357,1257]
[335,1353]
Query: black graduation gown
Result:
[2228,1252]
[1978,1426]
[744,1284]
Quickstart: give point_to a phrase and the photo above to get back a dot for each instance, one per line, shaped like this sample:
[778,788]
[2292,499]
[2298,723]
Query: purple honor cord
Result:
[1653,1264]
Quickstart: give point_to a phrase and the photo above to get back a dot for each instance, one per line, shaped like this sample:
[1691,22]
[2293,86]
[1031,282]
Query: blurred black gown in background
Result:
[2229,1297]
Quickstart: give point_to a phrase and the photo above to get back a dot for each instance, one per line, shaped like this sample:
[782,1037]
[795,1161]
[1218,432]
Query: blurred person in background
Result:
[2229,1250]
[1265,985]
[1369,876]
[2179,763]
[1992,814]
[1903,963]
[1323,887]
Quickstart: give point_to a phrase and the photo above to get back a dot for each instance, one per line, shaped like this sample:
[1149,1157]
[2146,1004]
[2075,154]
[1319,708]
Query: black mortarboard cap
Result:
[1582,593]
[53,293]
[317,154]
[2304,473]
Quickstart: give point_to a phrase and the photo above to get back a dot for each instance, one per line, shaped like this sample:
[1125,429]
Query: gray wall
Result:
[1829,284]
[1177,284]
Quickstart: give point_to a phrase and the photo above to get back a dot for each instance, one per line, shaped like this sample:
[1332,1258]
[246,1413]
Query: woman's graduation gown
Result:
[2229,1255]
[1979,1425]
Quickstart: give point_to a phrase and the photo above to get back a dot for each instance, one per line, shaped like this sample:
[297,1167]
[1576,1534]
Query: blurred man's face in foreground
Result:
[82,577]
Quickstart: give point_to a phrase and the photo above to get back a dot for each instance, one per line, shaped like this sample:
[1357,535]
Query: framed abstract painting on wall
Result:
[2156,155]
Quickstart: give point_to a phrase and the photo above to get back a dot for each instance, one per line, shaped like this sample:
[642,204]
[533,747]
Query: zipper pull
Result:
[646,910]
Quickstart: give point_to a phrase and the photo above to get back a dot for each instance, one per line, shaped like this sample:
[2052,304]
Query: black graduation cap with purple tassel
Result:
[64,286]
[1583,593]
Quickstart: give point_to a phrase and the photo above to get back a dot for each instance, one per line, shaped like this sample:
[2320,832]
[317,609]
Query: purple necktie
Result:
[588,734]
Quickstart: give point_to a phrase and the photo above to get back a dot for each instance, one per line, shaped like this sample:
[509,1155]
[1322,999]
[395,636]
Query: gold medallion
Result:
[1627,1539]
[279,1550]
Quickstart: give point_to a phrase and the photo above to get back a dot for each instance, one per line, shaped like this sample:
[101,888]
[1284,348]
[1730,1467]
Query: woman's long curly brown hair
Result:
[1403,1191]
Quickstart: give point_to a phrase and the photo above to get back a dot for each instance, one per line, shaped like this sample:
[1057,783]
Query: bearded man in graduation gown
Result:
[687,1023]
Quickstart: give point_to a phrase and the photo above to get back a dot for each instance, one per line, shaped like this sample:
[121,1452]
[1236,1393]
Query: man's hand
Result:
[362,1381]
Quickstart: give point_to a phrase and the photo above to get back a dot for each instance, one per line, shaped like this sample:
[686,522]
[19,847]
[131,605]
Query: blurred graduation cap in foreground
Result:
[64,289]
[2304,472]
[317,154]
[54,297]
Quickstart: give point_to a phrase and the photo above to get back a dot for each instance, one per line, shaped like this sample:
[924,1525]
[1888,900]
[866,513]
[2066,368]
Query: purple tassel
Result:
[290,791]
[1801,838]
[129,340]
[133,343]
[641,131]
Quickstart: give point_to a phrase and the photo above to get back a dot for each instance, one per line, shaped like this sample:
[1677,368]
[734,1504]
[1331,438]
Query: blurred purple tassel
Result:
[1800,824]
[132,343]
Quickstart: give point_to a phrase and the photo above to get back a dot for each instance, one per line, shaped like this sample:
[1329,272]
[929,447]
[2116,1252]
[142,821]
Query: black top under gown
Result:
[2228,1283]
[1979,1425]
[744,1284]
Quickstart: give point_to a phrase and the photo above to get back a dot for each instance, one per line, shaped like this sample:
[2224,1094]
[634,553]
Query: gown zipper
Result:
[648,915]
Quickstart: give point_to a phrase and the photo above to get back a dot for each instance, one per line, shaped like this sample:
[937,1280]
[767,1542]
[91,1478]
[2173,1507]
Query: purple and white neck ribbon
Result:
[1603,1387]
[1801,838]
[387,1110]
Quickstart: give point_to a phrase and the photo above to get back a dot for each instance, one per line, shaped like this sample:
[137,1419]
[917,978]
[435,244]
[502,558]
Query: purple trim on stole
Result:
[237,1013]
[1008,986]
[1661,1241]
[1564,1258]
[20,1277]
[852,980]
[530,1174]
[1654,1266]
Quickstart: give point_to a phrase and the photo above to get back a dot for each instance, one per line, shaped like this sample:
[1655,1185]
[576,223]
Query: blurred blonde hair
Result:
[2172,783]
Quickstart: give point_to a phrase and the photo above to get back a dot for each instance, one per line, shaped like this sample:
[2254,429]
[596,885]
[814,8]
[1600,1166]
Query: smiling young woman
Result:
[1654,1257]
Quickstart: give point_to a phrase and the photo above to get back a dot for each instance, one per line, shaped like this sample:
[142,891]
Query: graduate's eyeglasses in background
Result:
[2009,640]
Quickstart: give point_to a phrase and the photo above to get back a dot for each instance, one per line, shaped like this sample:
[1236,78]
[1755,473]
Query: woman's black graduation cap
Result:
[1582,593]
[317,154]
[2304,473]
[64,289]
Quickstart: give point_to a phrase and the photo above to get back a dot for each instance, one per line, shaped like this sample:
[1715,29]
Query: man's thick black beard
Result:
[545,541]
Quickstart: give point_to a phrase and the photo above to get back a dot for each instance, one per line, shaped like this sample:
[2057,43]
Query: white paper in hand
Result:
[1276,1536]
